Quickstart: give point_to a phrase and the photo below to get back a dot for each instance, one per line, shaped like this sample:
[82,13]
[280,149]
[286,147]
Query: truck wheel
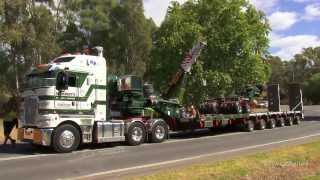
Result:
[136,134]
[280,122]
[297,120]
[261,124]
[66,138]
[271,123]
[159,132]
[249,126]
[289,121]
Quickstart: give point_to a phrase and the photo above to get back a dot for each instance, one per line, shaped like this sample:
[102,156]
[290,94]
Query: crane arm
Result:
[178,80]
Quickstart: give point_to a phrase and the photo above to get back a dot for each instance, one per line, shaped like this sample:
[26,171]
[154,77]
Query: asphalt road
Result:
[118,160]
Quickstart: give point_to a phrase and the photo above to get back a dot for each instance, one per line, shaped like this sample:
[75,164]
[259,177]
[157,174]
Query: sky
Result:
[295,23]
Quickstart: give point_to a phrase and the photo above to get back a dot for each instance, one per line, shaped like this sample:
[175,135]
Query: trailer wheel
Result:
[289,121]
[261,124]
[249,126]
[271,123]
[297,120]
[159,132]
[66,138]
[136,134]
[280,122]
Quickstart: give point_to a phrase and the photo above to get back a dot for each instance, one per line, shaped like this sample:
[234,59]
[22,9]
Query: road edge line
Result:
[188,158]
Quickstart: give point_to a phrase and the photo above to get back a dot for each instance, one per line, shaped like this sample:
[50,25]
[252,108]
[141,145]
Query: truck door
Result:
[67,100]
[85,91]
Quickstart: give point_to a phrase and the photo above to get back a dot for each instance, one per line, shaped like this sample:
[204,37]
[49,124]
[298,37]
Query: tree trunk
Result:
[16,72]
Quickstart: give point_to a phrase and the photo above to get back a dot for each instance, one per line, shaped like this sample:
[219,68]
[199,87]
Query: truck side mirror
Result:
[62,81]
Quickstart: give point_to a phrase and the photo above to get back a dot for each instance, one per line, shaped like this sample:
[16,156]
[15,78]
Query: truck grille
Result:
[31,110]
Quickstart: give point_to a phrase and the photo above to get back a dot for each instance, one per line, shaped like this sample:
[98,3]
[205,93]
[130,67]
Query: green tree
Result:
[130,35]
[306,64]
[311,89]
[301,69]
[237,38]
[26,38]
[119,26]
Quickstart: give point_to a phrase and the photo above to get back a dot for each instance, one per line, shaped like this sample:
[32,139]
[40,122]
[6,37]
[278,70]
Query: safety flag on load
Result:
[191,56]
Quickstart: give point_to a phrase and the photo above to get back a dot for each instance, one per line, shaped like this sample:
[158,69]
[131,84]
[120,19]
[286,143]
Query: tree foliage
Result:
[26,39]
[236,34]
[311,89]
[303,69]
[35,31]
[119,26]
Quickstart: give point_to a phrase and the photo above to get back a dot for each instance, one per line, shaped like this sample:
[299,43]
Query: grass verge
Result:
[298,162]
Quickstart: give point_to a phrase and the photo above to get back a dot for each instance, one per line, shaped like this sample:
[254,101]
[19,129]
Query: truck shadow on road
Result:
[23,149]
[28,149]
[203,132]
[312,118]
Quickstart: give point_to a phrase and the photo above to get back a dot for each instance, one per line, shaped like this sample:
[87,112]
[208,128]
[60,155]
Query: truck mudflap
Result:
[35,135]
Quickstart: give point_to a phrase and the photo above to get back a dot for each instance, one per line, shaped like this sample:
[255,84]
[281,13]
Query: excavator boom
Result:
[178,80]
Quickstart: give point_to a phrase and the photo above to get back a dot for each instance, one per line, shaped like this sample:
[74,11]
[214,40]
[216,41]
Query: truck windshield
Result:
[41,80]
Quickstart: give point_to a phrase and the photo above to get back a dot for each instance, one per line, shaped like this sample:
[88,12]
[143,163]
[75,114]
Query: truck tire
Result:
[159,132]
[280,122]
[249,126]
[136,134]
[297,120]
[272,123]
[66,138]
[289,121]
[261,124]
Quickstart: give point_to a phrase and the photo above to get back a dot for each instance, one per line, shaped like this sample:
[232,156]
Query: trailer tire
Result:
[297,120]
[271,123]
[66,138]
[289,121]
[159,132]
[249,126]
[261,124]
[136,134]
[280,122]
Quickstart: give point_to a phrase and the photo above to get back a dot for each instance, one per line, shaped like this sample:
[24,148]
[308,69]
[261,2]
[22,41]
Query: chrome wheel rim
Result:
[250,126]
[159,132]
[263,124]
[273,124]
[67,139]
[137,134]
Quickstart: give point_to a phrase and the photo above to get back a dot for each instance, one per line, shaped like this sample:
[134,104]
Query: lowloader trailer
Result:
[73,101]
[246,119]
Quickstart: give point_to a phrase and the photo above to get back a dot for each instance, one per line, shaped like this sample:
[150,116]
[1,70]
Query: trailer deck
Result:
[260,120]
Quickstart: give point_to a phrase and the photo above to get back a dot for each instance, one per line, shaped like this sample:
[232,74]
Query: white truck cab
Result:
[65,104]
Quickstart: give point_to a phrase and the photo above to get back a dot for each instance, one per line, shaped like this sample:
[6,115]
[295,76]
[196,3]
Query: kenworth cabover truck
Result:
[72,101]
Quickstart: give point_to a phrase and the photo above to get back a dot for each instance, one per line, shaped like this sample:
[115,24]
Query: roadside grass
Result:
[297,162]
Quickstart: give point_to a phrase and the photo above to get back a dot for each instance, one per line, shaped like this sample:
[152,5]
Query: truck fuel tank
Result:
[109,131]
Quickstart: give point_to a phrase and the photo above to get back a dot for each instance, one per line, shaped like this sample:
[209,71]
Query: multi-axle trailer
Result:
[247,120]
[72,101]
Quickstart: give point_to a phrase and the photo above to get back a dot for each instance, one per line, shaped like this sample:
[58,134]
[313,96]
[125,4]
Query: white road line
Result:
[189,158]
[25,157]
